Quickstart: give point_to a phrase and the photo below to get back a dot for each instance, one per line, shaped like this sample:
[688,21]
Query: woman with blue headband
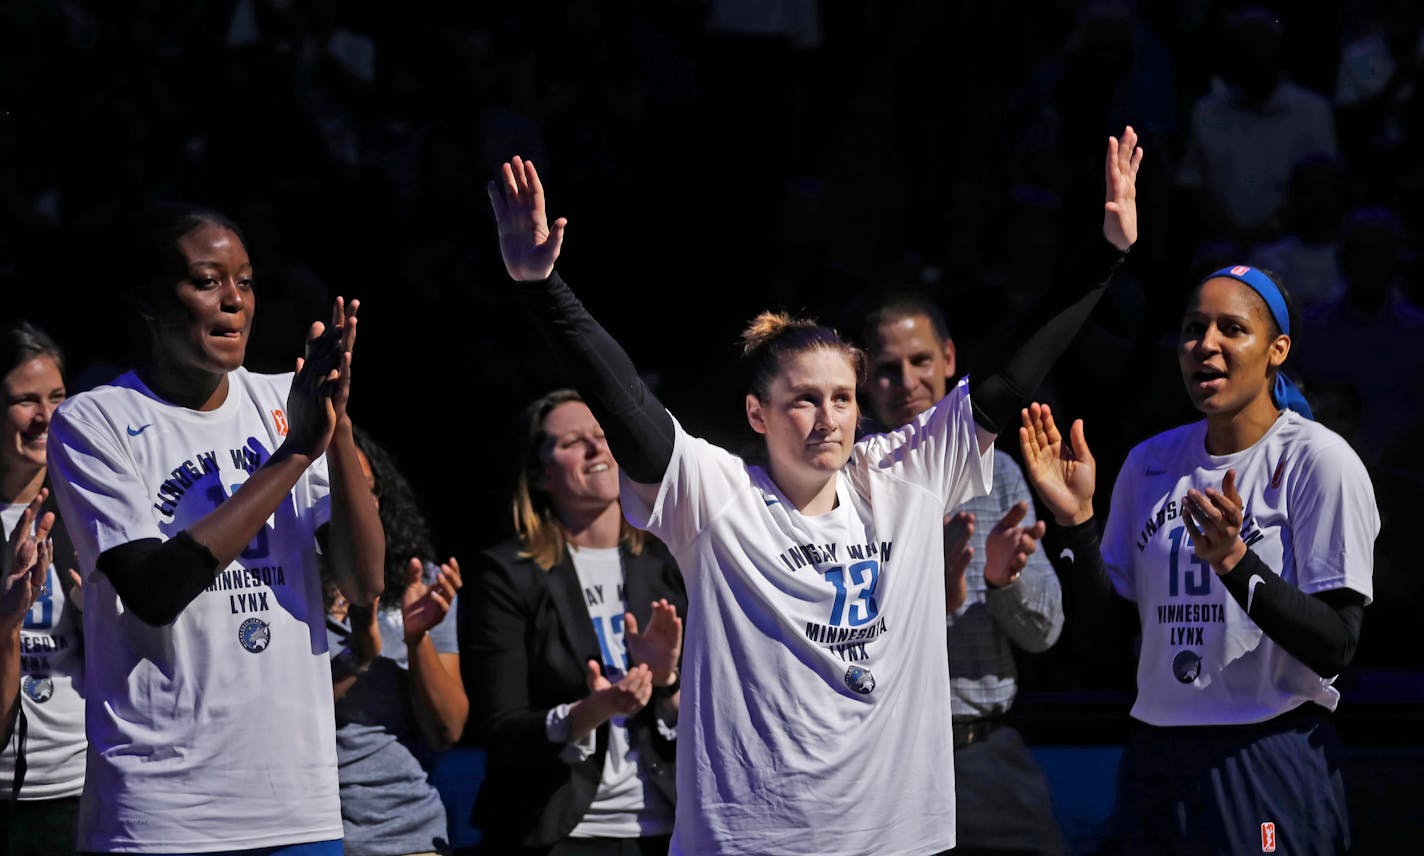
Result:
[1246,541]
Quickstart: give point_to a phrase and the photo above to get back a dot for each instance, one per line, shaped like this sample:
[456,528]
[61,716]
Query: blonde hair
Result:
[536,523]
[771,336]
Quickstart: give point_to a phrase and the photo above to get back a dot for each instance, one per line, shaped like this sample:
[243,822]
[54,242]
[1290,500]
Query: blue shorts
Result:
[1269,787]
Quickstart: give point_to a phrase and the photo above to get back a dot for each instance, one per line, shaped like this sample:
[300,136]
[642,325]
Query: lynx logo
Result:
[40,690]
[254,634]
[859,679]
[1268,837]
[1186,666]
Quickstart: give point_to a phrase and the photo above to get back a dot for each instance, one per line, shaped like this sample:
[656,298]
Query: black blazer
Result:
[525,639]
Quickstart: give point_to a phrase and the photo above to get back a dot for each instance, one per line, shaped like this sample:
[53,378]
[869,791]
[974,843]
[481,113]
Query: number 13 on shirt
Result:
[854,584]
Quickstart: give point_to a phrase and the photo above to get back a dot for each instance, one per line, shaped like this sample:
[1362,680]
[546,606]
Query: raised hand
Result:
[28,555]
[526,241]
[958,553]
[322,385]
[1214,521]
[424,605]
[658,647]
[1008,546]
[1120,210]
[1063,476]
[626,697]
[343,323]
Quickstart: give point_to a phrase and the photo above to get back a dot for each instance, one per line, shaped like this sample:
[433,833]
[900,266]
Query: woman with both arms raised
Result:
[815,713]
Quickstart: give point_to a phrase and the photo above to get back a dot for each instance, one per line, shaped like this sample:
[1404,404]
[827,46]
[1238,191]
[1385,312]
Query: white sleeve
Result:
[319,481]
[102,498]
[938,450]
[1334,522]
[1117,544]
[701,480]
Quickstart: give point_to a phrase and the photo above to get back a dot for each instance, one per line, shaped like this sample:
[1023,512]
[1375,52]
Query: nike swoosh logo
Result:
[771,502]
[1152,472]
[1256,580]
[134,432]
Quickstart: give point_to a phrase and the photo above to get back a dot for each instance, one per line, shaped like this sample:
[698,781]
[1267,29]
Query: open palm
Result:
[526,241]
[1120,210]
[659,645]
[1063,475]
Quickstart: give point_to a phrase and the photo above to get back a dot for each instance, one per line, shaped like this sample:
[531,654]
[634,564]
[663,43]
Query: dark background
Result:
[710,169]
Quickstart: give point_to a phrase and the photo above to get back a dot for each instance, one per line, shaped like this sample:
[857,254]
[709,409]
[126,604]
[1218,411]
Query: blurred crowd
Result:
[717,156]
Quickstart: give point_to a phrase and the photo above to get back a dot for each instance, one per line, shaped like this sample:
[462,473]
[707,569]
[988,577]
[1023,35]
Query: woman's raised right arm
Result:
[639,429]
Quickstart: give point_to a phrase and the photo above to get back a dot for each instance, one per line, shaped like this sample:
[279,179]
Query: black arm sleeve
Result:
[1099,625]
[639,429]
[1088,577]
[1320,630]
[1005,390]
[157,579]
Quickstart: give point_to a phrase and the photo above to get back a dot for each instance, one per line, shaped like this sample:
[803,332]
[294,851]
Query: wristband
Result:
[670,689]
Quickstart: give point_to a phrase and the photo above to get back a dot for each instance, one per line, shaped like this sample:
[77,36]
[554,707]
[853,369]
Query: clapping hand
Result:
[1063,475]
[660,645]
[317,402]
[958,553]
[626,697]
[425,605]
[526,241]
[1214,520]
[1008,546]
[29,552]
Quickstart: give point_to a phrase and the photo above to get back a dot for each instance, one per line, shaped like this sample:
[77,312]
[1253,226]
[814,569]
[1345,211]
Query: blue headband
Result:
[1285,393]
[1262,285]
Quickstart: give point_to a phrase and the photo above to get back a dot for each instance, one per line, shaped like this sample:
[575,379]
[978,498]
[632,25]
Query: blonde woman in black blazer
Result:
[570,643]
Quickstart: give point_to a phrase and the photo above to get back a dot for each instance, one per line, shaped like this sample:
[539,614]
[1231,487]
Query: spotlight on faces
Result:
[30,394]
[578,470]
[1228,346]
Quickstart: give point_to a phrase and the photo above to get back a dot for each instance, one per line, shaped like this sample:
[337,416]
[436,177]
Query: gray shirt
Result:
[1028,612]
[388,804]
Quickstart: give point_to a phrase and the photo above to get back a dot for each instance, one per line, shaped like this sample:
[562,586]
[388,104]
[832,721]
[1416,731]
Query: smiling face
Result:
[910,369]
[29,393]
[1229,348]
[202,325]
[808,417]
[578,472]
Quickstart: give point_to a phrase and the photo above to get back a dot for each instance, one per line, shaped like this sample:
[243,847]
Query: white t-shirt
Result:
[216,732]
[624,806]
[815,710]
[1309,515]
[51,676]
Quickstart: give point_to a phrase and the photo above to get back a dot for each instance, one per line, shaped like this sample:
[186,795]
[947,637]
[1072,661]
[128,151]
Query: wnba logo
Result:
[280,420]
[1239,270]
[1268,837]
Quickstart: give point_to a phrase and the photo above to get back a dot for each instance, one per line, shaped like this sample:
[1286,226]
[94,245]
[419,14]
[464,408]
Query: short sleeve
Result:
[444,635]
[1334,522]
[1117,542]
[701,480]
[319,482]
[938,450]
[101,497]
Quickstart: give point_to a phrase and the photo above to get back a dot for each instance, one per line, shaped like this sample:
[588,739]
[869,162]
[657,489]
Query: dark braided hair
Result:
[402,516]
